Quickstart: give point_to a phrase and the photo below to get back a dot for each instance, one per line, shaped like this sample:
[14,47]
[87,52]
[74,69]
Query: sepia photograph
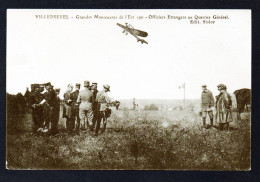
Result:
[128,89]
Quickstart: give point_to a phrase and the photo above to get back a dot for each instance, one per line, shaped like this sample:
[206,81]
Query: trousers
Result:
[100,116]
[86,117]
[37,118]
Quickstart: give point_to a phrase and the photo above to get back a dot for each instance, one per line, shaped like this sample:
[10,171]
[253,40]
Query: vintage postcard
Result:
[128,89]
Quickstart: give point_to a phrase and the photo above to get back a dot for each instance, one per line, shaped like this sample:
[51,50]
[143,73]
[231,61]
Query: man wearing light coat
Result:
[85,98]
[103,100]
[223,107]
[207,102]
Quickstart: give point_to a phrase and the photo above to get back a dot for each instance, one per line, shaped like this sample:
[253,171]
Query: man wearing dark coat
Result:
[56,113]
[49,105]
[95,104]
[67,110]
[37,109]
[75,107]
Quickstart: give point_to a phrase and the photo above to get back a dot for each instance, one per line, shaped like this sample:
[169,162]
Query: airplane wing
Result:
[134,31]
[122,26]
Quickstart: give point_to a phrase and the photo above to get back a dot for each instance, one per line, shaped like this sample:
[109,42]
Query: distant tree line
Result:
[151,107]
[15,104]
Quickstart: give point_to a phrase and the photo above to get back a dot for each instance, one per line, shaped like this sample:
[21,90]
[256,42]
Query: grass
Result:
[133,140]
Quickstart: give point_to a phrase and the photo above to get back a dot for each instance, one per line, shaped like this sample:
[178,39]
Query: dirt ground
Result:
[133,140]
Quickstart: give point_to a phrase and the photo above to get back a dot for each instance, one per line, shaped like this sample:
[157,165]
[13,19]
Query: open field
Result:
[133,140]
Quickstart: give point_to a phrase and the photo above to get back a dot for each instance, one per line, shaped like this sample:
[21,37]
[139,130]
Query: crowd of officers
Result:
[81,109]
[222,105]
[85,109]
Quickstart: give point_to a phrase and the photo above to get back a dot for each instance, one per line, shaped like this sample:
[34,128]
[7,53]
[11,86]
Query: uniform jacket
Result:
[222,102]
[207,99]
[51,98]
[35,98]
[85,98]
[74,96]
[56,113]
[95,103]
[67,98]
[102,99]
[74,105]
[95,94]
[57,106]
[67,106]
[224,113]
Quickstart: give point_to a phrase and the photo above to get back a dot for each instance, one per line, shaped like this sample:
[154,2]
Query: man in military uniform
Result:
[67,110]
[75,107]
[223,107]
[103,101]
[85,98]
[37,109]
[51,101]
[95,104]
[56,113]
[207,102]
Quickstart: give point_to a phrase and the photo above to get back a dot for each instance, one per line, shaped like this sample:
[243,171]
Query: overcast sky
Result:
[74,50]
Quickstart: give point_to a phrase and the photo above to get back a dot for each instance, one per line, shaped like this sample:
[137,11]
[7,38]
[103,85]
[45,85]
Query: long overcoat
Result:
[67,110]
[223,108]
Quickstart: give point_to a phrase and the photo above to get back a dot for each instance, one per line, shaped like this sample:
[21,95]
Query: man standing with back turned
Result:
[95,104]
[85,99]
[207,102]
[75,107]
[103,101]
[67,110]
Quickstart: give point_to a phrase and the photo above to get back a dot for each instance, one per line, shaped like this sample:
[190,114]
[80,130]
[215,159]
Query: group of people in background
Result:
[86,108]
[81,109]
[222,105]
[45,105]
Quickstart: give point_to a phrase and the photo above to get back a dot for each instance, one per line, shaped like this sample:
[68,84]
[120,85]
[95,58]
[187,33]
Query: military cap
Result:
[35,85]
[70,85]
[77,84]
[47,84]
[86,83]
[204,85]
[107,87]
[221,85]
[57,90]
[94,83]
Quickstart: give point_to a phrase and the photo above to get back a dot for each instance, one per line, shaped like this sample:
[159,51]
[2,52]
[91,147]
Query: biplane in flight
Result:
[130,29]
